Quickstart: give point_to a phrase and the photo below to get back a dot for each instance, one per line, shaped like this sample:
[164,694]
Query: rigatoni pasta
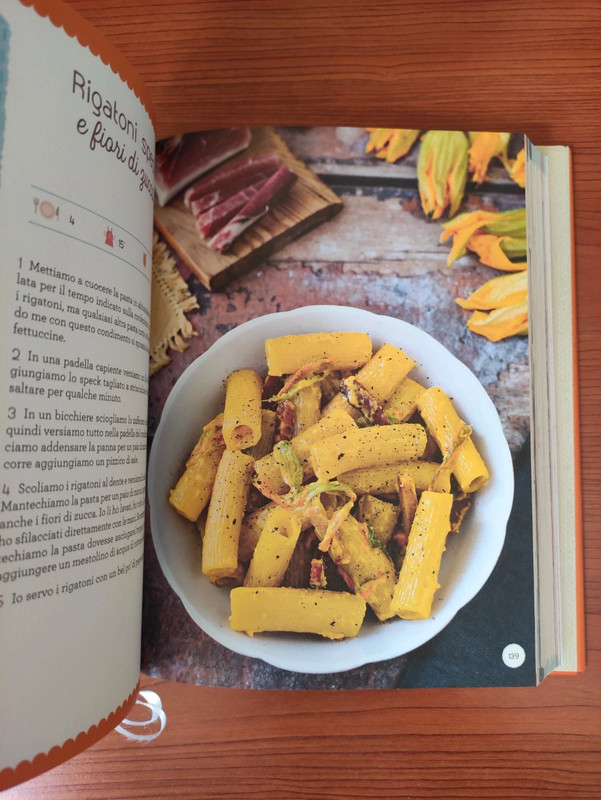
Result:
[418,576]
[402,403]
[242,413]
[367,447]
[267,471]
[333,615]
[267,438]
[382,480]
[367,564]
[308,408]
[453,437]
[379,515]
[274,548]
[224,518]
[285,355]
[334,484]
[193,490]
[377,379]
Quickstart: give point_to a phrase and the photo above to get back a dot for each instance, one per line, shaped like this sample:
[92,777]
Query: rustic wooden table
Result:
[532,67]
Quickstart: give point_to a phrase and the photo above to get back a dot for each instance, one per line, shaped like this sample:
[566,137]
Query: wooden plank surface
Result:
[306,205]
[534,67]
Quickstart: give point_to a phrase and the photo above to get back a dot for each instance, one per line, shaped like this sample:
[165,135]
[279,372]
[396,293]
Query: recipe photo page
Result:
[416,238]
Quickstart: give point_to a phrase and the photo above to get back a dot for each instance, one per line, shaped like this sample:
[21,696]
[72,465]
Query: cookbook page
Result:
[76,195]
[392,240]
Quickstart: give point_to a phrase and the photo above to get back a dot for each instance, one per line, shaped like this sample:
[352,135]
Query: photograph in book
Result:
[339,480]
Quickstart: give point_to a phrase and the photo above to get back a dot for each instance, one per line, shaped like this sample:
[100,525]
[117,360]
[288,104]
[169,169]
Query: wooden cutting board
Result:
[309,203]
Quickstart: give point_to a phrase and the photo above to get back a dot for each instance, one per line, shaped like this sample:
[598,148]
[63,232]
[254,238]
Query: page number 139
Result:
[513,655]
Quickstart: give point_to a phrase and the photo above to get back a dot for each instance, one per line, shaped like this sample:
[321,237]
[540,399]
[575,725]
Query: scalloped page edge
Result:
[75,26]
[42,762]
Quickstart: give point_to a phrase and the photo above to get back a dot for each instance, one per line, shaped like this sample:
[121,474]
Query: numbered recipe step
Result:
[54,529]
[53,305]
[74,431]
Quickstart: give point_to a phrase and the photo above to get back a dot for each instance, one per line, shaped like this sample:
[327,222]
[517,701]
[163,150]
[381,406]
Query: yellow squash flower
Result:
[378,139]
[501,292]
[442,171]
[501,323]
[489,250]
[494,236]
[390,143]
[484,146]
[508,228]
[516,168]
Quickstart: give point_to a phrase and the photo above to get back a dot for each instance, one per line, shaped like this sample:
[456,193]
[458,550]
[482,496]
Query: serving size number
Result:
[47,210]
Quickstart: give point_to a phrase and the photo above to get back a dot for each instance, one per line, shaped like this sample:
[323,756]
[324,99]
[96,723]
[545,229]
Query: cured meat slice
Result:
[213,189]
[182,159]
[210,221]
[279,183]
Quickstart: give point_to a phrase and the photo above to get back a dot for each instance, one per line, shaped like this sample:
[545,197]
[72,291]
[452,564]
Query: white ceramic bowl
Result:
[199,395]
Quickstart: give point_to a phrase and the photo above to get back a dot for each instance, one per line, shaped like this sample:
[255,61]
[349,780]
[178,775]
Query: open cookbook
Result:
[281,405]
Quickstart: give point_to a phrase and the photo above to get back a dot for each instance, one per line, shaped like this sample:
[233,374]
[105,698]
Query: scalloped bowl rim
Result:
[470,556]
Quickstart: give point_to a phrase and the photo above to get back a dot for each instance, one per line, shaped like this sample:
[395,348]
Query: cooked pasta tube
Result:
[333,615]
[265,443]
[225,513]
[407,500]
[269,474]
[378,377]
[382,480]
[447,429]
[287,354]
[418,577]
[366,447]
[307,405]
[252,525]
[274,548]
[366,564]
[379,515]
[254,522]
[402,403]
[242,413]
[299,569]
[193,490]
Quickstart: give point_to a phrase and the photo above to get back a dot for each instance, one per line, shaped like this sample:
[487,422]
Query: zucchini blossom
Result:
[390,144]
[495,237]
[442,167]
[484,146]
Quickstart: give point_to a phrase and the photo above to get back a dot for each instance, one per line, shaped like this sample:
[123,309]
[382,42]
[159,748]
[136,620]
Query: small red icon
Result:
[47,209]
[109,237]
